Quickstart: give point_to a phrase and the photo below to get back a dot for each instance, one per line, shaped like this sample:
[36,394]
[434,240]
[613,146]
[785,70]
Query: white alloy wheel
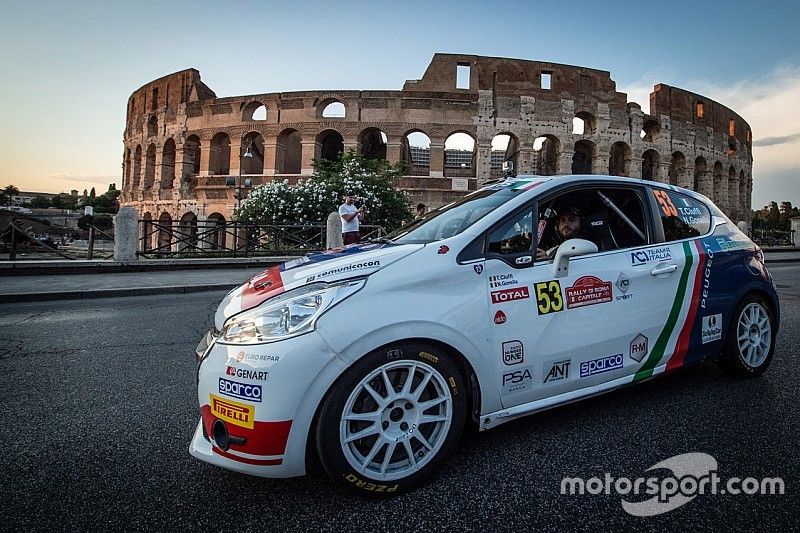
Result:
[754,334]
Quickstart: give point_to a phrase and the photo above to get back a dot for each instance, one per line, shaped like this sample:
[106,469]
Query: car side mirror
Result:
[569,249]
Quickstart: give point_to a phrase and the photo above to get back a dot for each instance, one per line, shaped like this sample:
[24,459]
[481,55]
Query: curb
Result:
[112,293]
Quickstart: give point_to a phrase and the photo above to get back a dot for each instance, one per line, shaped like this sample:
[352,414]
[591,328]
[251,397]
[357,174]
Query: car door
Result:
[555,331]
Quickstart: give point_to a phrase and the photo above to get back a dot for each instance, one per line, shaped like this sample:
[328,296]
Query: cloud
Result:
[85,179]
[772,141]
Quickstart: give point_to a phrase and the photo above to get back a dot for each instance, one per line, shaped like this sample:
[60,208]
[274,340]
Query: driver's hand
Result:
[541,254]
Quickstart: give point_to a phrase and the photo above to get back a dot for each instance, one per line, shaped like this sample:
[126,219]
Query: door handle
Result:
[524,260]
[664,269]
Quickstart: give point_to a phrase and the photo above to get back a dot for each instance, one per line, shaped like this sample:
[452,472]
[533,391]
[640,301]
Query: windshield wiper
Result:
[381,240]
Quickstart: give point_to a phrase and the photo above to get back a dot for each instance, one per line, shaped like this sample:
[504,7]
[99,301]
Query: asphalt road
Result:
[98,407]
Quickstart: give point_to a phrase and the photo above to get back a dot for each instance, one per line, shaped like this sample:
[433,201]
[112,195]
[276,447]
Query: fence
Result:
[213,238]
[18,241]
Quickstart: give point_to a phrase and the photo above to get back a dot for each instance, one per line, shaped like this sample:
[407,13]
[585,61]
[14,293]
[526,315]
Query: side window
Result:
[682,216]
[513,236]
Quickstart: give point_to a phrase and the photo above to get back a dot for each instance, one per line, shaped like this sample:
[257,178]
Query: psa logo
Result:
[601,364]
[518,381]
[240,390]
[638,348]
[239,414]
[711,328]
[507,295]
[499,317]
[513,352]
[642,257]
[559,371]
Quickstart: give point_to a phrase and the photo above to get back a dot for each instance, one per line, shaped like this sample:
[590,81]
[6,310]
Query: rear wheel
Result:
[750,342]
[391,419]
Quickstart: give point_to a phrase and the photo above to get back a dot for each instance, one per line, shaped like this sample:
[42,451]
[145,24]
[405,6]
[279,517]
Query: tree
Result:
[9,192]
[65,201]
[41,202]
[312,200]
[92,194]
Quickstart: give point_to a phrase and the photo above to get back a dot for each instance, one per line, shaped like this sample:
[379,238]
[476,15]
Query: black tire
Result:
[445,384]
[734,357]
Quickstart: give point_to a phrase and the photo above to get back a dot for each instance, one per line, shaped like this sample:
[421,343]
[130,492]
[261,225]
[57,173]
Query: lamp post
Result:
[236,181]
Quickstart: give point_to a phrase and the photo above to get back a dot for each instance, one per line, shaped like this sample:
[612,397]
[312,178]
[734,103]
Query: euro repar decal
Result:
[548,297]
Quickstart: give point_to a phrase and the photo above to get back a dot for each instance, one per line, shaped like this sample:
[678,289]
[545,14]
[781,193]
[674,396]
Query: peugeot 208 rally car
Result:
[375,357]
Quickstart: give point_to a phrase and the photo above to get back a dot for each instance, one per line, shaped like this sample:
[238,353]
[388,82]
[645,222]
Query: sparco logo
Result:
[508,295]
[240,390]
[600,365]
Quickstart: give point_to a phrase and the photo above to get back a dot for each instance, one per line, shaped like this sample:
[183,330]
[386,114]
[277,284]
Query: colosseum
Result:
[189,155]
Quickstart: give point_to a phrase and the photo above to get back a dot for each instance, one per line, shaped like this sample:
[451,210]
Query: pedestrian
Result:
[422,209]
[352,217]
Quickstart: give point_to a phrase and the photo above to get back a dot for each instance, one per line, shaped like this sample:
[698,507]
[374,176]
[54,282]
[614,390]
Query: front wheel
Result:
[750,342]
[391,419]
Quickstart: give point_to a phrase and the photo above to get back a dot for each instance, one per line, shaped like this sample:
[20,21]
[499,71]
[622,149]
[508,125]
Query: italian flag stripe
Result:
[676,361]
[663,338]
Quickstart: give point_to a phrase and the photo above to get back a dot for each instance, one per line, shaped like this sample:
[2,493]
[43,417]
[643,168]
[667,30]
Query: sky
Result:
[68,68]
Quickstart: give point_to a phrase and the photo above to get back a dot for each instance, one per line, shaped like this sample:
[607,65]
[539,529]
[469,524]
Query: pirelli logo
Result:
[239,414]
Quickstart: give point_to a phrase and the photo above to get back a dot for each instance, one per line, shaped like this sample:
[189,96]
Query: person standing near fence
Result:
[352,217]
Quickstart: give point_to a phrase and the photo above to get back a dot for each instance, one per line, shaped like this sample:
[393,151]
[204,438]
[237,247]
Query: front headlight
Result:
[288,315]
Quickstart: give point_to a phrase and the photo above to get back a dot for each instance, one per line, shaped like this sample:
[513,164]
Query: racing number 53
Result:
[664,201]
[548,297]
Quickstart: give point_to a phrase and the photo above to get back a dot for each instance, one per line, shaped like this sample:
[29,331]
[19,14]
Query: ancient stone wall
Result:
[454,127]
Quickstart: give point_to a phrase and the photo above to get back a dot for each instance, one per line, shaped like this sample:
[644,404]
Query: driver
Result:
[568,226]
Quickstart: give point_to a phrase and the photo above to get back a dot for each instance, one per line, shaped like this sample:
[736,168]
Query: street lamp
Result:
[236,181]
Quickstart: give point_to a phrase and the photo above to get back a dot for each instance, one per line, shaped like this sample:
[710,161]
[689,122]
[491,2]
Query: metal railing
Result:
[18,241]
[212,238]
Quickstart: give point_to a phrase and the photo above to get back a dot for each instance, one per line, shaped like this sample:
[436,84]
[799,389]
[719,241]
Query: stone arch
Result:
[651,130]
[417,152]
[254,143]
[583,157]
[331,108]
[505,147]
[700,170]
[619,159]
[584,123]
[215,231]
[254,111]
[167,164]
[187,231]
[150,167]
[219,157]
[164,232]
[459,154]
[651,169]
[329,145]
[677,168]
[191,155]
[137,167]
[372,143]
[546,152]
[288,152]
[152,126]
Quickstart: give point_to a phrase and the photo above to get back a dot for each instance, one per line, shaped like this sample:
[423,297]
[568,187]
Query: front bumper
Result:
[257,403]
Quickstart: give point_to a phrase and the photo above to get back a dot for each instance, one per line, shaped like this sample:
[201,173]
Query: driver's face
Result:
[568,225]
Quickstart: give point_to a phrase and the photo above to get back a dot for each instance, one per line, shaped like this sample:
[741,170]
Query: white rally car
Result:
[523,295]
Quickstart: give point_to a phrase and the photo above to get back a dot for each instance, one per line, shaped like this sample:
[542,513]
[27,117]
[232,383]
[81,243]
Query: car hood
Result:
[356,260]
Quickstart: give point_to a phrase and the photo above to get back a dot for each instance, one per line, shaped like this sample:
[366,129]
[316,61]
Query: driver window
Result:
[514,236]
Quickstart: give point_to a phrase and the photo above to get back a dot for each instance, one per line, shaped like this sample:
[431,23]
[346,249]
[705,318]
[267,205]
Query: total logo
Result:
[711,329]
[513,352]
[601,364]
[499,317]
[244,391]
[508,295]
[638,348]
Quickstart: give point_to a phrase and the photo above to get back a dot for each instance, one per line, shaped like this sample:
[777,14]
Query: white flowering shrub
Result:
[313,199]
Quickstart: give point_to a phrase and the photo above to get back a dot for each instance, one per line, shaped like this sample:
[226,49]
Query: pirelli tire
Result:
[750,341]
[391,420]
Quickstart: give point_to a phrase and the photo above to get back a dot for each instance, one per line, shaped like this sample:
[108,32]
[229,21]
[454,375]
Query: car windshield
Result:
[454,218]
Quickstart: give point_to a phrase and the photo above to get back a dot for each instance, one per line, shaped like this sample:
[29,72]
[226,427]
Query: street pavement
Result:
[99,405]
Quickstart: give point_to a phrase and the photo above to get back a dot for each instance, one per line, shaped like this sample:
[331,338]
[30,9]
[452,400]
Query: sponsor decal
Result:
[502,280]
[558,371]
[638,348]
[372,487]
[513,352]
[246,373]
[588,290]
[623,284]
[642,257]
[477,268]
[707,274]
[238,414]
[443,249]
[499,317]
[517,381]
[548,297]
[243,391]
[508,295]
[396,353]
[728,245]
[344,269]
[242,356]
[693,215]
[429,357]
[711,328]
[601,364]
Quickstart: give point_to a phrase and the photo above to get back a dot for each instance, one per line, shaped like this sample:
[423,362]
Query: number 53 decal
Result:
[548,297]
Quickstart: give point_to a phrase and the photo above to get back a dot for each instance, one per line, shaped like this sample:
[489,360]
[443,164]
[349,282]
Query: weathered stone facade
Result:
[181,141]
